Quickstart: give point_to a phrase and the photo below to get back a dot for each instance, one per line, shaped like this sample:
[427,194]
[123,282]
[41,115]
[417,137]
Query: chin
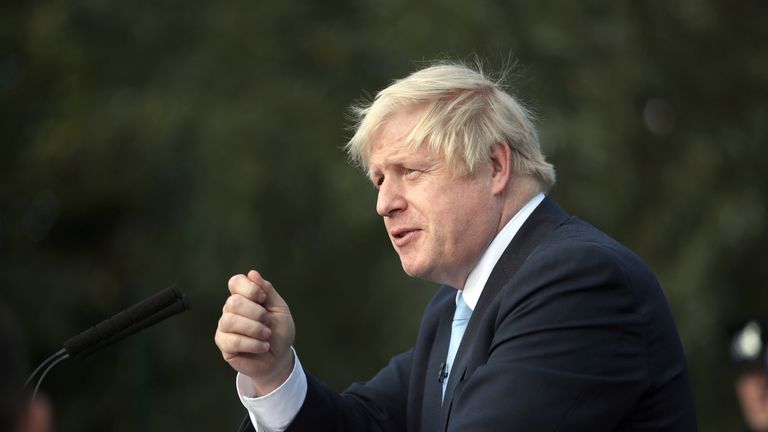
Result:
[413,269]
[418,270]
[410,272]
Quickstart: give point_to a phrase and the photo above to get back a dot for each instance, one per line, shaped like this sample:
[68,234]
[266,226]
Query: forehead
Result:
[390,144]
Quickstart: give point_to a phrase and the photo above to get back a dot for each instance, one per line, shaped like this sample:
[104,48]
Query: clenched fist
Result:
[256,331]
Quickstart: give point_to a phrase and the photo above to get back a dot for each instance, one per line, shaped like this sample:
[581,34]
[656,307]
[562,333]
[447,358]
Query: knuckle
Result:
[221,342]
[237,343]
[227,321]
[236,302]
[264,319]
[229,306]
[233,280]
[257,329]
[250,289]
[236,283]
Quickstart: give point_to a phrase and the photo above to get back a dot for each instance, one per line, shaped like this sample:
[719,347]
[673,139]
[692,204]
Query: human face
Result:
[752,389]
[439,223]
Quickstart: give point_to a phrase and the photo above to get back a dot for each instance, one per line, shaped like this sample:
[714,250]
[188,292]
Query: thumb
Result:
[273,300]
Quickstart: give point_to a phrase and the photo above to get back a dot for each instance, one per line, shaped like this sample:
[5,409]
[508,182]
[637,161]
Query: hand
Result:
[256,331]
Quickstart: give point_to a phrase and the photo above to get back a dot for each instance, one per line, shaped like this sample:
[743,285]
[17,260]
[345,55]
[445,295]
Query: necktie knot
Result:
[463,312]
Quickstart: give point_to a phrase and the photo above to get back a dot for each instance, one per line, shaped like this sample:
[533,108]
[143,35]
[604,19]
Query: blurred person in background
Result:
[542,322]
[749,353]
[17,412]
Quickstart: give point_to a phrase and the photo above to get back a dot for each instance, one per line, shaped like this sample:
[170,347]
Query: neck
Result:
[519,191]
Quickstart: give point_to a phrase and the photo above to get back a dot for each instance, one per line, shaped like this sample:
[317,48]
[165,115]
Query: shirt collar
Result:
[482,271]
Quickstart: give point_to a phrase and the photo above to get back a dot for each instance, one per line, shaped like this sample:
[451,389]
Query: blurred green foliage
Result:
[143,143]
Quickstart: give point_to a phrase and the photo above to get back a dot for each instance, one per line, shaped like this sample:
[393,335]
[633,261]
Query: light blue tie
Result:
[460,320]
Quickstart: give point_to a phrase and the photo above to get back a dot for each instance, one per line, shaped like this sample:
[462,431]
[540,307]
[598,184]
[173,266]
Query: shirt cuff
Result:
[275,411]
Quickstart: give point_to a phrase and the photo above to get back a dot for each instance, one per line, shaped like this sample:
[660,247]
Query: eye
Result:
[410,172]
[378,181]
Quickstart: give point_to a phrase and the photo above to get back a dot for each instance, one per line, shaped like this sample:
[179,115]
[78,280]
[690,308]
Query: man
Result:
[543,323]
[749,353]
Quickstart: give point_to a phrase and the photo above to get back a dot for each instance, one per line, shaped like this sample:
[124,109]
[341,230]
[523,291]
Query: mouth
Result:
[403,236]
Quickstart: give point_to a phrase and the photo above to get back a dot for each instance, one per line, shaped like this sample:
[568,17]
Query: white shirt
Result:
[275,412]
[477,278]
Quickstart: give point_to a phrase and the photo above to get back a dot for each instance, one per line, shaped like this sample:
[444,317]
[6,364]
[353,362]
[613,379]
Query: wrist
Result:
[265,385]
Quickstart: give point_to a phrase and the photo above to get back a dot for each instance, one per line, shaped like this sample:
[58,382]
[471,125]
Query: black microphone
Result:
[160,306]
[442,374]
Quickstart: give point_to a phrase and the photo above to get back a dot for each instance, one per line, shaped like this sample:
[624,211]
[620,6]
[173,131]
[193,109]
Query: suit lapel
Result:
[430,420]
[544,219]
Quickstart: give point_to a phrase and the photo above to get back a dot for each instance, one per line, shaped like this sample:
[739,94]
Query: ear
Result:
[501,167]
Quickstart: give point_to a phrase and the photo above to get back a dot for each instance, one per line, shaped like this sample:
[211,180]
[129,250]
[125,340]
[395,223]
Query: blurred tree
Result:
[150,142]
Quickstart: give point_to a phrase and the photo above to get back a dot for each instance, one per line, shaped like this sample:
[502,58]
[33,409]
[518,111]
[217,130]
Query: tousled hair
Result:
[463,114]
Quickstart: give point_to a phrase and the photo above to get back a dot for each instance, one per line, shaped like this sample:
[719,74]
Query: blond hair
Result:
[463,115]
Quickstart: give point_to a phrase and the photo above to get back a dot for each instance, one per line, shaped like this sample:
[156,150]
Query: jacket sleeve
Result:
[377,405]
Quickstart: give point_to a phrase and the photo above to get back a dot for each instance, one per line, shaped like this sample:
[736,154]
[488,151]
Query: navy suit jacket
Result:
[571,333]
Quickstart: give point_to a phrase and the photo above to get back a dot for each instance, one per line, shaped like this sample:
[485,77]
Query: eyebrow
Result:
[393,161]
[410,160]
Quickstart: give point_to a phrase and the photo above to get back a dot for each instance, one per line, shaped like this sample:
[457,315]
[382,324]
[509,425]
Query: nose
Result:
[390,199]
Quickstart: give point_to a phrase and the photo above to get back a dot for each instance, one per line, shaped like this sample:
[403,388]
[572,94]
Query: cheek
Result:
[457,226]
[454,213]
[473,225]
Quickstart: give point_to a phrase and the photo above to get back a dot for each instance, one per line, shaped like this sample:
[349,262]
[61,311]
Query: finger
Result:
[239,305]
[231,323]
[240,284]
[231,343]
[259,280]
[273,299]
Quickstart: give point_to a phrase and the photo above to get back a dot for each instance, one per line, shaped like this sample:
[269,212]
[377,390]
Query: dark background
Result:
[148,142]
